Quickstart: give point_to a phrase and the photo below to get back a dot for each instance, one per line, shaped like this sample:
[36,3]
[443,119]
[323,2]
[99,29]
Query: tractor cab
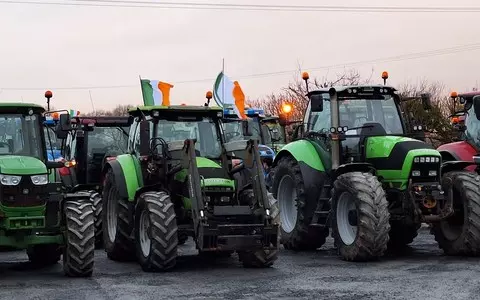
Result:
[360,112]
[466,121]
[91,142]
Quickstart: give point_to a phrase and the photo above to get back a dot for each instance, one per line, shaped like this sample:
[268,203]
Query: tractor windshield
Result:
[472,132]
[273,133]
[20,135]
[204,131]
[354,113]
[110,140]
[233,130]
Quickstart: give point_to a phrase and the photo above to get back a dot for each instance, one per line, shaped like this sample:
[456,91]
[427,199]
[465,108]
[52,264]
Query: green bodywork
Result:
[19,226]
[21,165]
[134,181]
[316,157]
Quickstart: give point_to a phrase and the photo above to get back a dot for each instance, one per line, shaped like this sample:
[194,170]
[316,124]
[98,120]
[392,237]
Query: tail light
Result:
[110,158]
[66,170]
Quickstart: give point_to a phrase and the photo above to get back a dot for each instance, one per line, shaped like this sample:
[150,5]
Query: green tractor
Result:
[36,213]
[178,180]
[356,172]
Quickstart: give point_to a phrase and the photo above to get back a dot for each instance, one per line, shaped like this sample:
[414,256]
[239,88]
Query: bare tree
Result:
[119,110]
[436,120]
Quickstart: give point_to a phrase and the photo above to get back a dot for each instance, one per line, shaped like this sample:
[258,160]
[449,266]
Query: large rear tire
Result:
[156,232]
[79,250]
[460,234]
[117,225]
[360,217]
[296,212]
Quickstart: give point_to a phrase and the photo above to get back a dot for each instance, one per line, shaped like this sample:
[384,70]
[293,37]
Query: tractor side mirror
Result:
[60,134]
[476,106]
[426,101]
[145,148]
[316,103]
[246,128]
[65,124]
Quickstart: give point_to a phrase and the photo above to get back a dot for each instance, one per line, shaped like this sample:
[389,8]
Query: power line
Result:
[410,56]
[261,7]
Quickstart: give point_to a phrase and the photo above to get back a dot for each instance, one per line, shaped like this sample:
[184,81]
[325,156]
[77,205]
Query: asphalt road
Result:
[424,273]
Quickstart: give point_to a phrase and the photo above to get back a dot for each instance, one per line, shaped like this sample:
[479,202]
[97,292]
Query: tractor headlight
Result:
[10,179]
[432,173]
[426,159]
[39,179]
[415,173]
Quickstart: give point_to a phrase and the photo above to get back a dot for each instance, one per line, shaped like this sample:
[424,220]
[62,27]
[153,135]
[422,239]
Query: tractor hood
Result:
[21,165]
[394,147]
[211,172]
[394,157]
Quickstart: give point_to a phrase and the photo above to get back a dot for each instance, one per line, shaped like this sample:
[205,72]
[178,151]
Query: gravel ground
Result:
[424,273]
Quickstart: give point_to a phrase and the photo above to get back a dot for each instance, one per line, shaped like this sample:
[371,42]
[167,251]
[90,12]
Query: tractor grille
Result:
[426,169]
[24,194]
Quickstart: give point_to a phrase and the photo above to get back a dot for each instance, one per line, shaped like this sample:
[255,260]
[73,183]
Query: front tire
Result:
[360,217]
[78,255]
[117,225]
[296,212]
[460,233]
[96,200]
[156,232]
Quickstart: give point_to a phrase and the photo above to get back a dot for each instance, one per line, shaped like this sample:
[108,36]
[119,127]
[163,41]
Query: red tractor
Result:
[467,121]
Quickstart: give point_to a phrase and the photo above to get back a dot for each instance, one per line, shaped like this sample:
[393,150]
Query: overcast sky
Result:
[52,47]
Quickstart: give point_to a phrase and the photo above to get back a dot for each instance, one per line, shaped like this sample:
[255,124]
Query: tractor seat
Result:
[370,129]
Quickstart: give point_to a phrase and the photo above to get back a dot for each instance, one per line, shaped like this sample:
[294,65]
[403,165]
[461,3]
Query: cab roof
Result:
[16,107]
[357,90]
[174,111]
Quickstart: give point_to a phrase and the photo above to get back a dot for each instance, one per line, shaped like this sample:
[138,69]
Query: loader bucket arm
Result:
[253,161]
[189,162]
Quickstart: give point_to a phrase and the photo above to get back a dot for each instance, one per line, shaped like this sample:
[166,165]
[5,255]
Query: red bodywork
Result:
[460,151]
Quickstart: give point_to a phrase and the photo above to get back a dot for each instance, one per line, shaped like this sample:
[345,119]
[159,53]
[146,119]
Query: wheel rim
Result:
[112,218]
[346,211]
[144,238]
[287,201]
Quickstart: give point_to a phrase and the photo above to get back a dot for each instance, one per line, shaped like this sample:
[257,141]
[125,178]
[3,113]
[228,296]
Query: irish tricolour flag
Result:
[155,92]
[227,93]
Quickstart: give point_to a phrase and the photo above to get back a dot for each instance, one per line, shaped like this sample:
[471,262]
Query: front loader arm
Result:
[253,162]
[189,162]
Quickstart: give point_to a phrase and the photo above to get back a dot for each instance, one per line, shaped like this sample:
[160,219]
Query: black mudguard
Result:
[119,177]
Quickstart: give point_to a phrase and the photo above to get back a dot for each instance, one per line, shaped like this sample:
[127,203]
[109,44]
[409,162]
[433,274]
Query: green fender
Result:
[303,151]
[128,175]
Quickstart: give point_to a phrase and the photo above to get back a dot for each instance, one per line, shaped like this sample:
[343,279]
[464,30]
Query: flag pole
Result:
[141,88]
[223,82]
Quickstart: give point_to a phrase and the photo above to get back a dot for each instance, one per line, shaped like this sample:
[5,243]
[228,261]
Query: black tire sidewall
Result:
[140,208]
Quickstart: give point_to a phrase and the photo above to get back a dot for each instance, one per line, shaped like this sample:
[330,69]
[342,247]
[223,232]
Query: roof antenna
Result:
[91,101]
